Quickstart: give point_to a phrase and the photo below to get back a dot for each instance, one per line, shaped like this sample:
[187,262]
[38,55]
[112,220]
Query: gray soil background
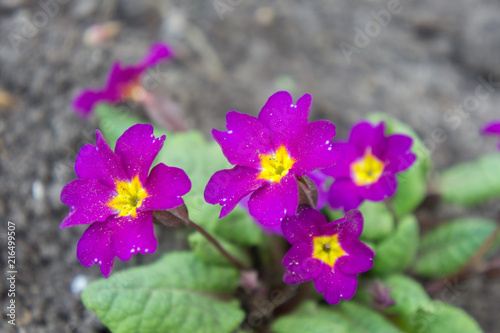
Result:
[423,64]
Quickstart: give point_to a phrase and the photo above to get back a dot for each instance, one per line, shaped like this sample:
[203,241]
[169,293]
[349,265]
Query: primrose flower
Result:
[124,83]
[368,169]
[115,194]
[492,128]
[328,253]
[270,153]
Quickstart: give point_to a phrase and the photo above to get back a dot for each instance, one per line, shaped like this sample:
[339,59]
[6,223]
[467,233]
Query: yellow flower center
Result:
[275,166]
[367,169]
[129,197]
[327,249]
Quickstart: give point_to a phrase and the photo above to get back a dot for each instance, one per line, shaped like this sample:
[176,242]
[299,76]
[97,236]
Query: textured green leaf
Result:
[472,183]
[396,252]
[365,320]
[408,294]
[311,319]
[349,317]
[378,221]
[412,183]
[207,252]
[441,318]
[178,293]
[446,249]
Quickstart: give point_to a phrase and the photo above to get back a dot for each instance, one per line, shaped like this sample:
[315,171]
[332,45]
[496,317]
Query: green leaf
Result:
[311,319]
[378,221]
[396,252]
[363,319]
[178,293]
[207,252]
[442,318]
[113,121]
[412,183]
[448,248]
[350,317]
[472,183]
[408,294]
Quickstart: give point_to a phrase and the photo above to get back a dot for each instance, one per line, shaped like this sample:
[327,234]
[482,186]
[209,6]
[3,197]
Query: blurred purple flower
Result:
[492,128]
[328,253]
[124,83]
[369,166]
[321,182]
[269,153]
[115,194]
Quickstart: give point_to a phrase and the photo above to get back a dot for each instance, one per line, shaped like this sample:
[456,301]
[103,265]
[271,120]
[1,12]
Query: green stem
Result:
[215,243]
[177,216]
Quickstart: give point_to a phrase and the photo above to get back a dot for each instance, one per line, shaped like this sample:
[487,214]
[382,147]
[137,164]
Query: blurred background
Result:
[432,64]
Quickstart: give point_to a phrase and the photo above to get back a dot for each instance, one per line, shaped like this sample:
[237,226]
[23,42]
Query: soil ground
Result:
[418,61]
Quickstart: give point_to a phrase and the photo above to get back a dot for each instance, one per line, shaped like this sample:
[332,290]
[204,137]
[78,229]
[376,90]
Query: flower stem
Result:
[215,243]
[178,215]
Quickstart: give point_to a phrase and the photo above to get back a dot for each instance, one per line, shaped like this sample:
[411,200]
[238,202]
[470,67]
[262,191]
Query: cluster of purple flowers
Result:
[272,154]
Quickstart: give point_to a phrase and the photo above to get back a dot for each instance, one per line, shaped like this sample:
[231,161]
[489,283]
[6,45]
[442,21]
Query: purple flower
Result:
[328,253]
[368,169]
[124,83]
[492,128]
[115,194]
[269,153]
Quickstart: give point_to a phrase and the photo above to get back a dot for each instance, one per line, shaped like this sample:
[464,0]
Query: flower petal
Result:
[301,267]
[348,227]
[133,235]
[228,187]
[298,253]
[121,237]
[492,128]
[85,101]
[271,203]
[165,186]
[158,52]
[321,181]
[383,188]
[138,148]
[121,76]
[312,147]
[245,139]
[95,247]
[398,156]
[344,194]
[111,161]
[284,118]
[88,164]
[358,260]
[364,135]
[88,201]
[336,285]
[303,226]
[347,154]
